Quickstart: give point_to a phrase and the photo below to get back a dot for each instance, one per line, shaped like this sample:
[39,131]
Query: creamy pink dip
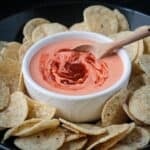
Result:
[57,68]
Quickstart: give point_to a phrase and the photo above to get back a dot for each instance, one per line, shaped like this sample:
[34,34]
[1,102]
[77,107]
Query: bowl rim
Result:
[116,86]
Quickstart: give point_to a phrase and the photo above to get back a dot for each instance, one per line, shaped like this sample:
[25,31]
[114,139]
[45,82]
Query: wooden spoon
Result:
[104,49]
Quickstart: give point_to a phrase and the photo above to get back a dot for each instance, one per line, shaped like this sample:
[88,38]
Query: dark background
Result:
[9,7]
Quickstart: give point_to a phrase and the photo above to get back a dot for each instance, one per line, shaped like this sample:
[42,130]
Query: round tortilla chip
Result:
[30,127]
[138,138]
[112,111]
[139,104]
[4,96]
[82,26]
[40,110]
[11,50]
[23,49]
[16,112]
[126,109]
[144,63]
[100,19]
[84,128]
[113,131]
[74,145]
[45,140]
[47,29]
[122,21]
[131,49]
[31,25]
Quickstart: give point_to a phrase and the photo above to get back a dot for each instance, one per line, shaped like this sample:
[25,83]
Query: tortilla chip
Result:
[11,50]
[30,127]
[16,112]
[112,111]
[31,25]
[21,85]
[47,29]
[122,21]
[135,82]
[82,26]
[4,96]
[74,145]
[71,136]
[146,79]
[84,128]
[40,110]
[138,138]
[3,44]
[113,131]
[100,19]
[144,63]
[139,104]
[45,140]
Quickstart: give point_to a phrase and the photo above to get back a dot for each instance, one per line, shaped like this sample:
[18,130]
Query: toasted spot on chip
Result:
[144,63]
[132,49]
[31,25]
[89,129]
[23,49]
[32,126]
[138,138]
[100,19]
[139,104]
[40,110]
[47,29]
[45,140]
[74,145]
[113,131]
[112,112]
[4,96]
[11,50]
[16,112]
[82,26]
[122,21]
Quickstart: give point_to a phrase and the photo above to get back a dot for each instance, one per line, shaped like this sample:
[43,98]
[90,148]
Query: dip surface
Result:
[59,69]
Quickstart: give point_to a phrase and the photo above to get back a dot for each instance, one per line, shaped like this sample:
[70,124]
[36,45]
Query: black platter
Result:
[67,14]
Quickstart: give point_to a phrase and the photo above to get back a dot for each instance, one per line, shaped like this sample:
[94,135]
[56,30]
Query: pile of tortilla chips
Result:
[125,117]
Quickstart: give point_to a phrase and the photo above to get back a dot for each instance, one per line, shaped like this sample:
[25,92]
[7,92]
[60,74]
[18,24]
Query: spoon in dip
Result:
[104,49]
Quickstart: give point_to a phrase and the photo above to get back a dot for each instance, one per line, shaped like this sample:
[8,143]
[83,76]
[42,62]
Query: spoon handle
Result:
[135,36]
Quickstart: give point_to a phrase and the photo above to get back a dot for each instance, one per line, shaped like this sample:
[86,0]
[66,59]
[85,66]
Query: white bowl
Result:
[81,108]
